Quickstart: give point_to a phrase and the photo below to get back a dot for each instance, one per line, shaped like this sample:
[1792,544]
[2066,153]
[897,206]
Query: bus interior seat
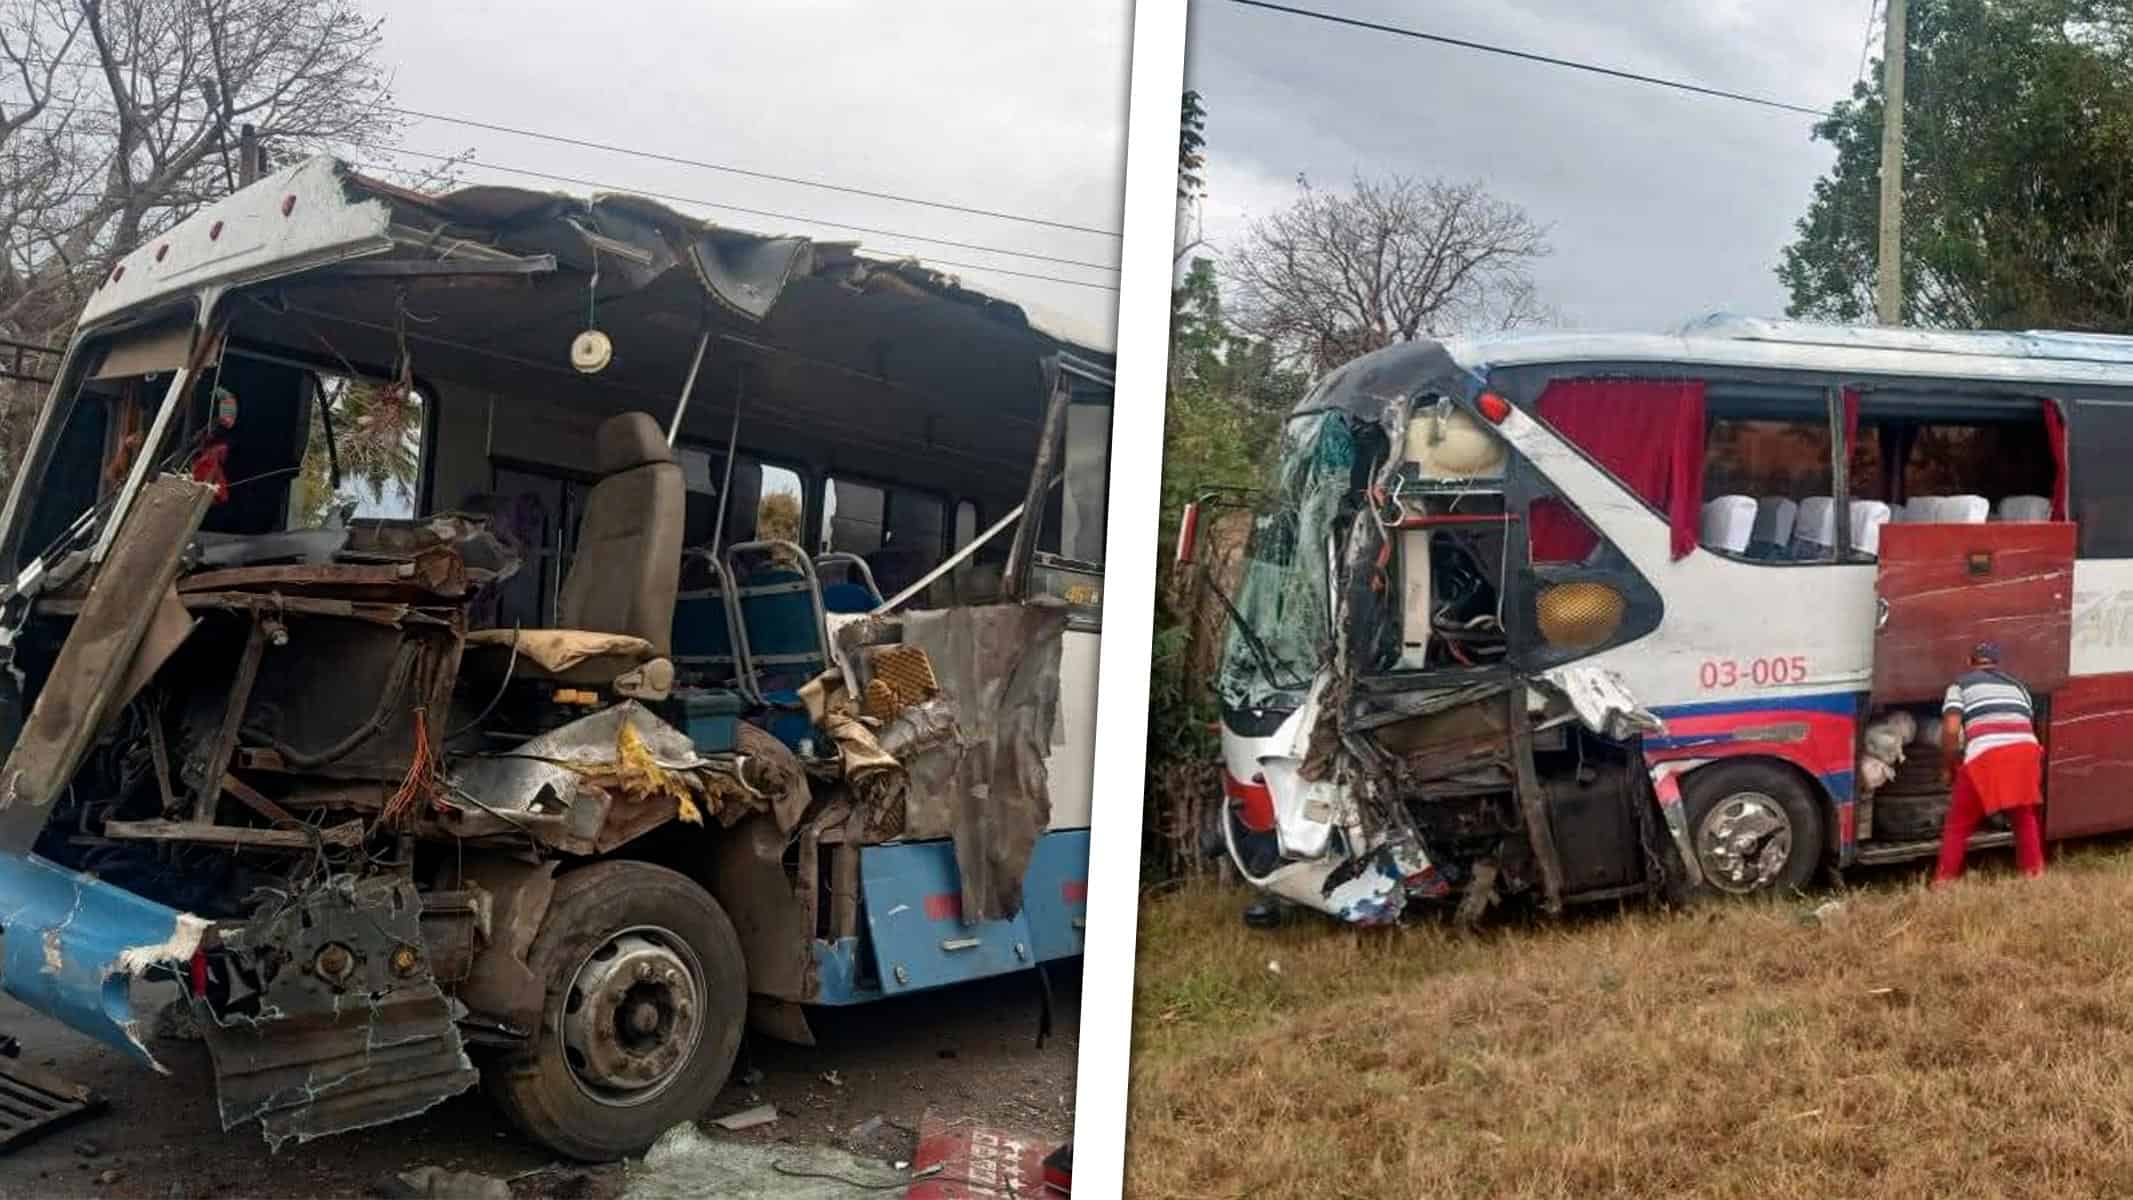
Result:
[1867,518]
[1963,510]
[848,598]
[625,576]
[1814,533]
[847,584]
[1727,523]
[2025,508]
[704,641]
[1916,511]
[783,640]
[1774,518]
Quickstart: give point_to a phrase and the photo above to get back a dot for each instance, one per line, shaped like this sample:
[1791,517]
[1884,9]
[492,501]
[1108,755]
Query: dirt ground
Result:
[1883,1040]
[965,1052]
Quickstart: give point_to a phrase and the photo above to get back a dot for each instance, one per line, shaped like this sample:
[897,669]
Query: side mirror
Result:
[1188,534]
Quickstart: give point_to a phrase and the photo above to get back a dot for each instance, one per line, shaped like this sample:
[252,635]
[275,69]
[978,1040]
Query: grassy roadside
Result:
[1975,1042]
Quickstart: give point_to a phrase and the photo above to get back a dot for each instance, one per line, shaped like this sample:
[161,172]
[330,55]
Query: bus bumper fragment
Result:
[74,945]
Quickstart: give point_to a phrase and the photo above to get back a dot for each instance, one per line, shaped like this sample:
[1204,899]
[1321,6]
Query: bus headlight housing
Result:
[1580,615]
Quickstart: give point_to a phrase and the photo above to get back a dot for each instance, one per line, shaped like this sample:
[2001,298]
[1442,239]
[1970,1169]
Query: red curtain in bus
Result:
[1648,433]
[2055,432]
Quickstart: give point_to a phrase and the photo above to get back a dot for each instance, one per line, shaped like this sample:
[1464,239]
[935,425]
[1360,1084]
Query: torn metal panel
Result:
[1604,703]
[500,984]
[347,1028]
[1666,787]
[604,779]
[770,916]
[73,945]
[167,631]
[93,662]
[1370,889]
[987,787]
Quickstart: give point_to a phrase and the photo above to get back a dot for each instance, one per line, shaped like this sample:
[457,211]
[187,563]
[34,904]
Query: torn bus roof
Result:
[319,212]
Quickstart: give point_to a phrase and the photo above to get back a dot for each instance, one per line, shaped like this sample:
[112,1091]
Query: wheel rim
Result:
[1744,842]
[633,1016]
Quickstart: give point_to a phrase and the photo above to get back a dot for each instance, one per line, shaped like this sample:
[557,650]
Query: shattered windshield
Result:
[1282,626]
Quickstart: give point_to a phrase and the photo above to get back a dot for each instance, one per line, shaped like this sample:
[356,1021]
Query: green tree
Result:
[1228,395]
[377,438]
[1192,147]
[2018,201]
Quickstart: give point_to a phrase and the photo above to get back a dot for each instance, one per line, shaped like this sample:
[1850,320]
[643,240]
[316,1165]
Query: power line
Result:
[753,174]
[1866,43]
[718,204]
[594,183]
[1529,56]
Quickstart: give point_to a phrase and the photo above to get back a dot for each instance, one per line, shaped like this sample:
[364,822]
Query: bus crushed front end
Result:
[413,641]
[1405,716]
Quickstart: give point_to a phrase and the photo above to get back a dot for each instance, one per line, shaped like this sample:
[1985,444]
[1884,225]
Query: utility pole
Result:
[1888,286]
[248,155]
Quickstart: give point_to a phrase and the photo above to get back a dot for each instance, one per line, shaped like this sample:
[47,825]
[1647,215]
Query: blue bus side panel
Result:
[1055,894]
[838,975]
[913,900]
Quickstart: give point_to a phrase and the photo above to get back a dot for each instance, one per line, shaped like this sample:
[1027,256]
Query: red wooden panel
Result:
[2088,771]
[1949,587]
[957,1160]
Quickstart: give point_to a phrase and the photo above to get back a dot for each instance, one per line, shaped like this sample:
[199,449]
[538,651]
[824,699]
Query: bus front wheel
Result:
[646,997]
[1754,827]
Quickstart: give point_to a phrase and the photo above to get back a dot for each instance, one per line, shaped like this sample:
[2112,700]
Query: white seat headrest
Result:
[2025,508]
[1727,523]
[1867,518]
[1774,519]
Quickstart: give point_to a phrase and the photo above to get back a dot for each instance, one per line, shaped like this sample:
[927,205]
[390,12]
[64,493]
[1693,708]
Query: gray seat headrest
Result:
[628,440]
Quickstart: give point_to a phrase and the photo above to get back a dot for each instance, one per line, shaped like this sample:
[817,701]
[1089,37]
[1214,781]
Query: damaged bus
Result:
[511,636]
[1569,618]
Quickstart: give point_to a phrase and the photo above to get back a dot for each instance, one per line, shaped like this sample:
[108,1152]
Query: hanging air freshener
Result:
[591,351]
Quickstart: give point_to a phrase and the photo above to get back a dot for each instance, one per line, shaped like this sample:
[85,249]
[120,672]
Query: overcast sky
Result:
[1662,205]
[1012,107]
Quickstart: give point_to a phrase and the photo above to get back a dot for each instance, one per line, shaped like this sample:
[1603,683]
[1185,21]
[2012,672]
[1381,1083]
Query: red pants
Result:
[2003,780]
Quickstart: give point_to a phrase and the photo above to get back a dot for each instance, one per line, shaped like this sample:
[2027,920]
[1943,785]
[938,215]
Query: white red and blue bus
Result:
[1576,617]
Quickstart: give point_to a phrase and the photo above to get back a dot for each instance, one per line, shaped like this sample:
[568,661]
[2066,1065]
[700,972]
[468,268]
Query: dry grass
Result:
[1975,1042]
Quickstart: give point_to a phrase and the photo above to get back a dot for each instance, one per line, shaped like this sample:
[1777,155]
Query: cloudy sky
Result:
[1011,107]
[1662,205]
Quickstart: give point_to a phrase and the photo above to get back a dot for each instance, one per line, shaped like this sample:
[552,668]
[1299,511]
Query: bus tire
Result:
[1755,827]
[646,996]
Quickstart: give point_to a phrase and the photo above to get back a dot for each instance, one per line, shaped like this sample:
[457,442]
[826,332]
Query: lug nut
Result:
[334,962]
[405,960]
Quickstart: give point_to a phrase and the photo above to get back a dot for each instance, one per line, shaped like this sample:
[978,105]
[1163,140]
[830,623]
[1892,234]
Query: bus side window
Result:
[778,505]
[2100,444]
[853,517]
[700,500]
[1769,462]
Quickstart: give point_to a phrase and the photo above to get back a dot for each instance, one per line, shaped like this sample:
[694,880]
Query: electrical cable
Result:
[1530,56]
[753,174]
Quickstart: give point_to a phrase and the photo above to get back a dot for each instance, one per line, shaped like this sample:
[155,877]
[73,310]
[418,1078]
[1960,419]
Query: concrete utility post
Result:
[248,156]
[1888,286]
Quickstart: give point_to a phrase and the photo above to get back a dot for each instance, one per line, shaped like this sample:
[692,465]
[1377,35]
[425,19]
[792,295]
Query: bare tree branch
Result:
[1333,276]
[118,119]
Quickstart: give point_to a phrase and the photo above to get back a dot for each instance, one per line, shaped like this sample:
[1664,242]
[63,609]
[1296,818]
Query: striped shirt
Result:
[1995,709]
